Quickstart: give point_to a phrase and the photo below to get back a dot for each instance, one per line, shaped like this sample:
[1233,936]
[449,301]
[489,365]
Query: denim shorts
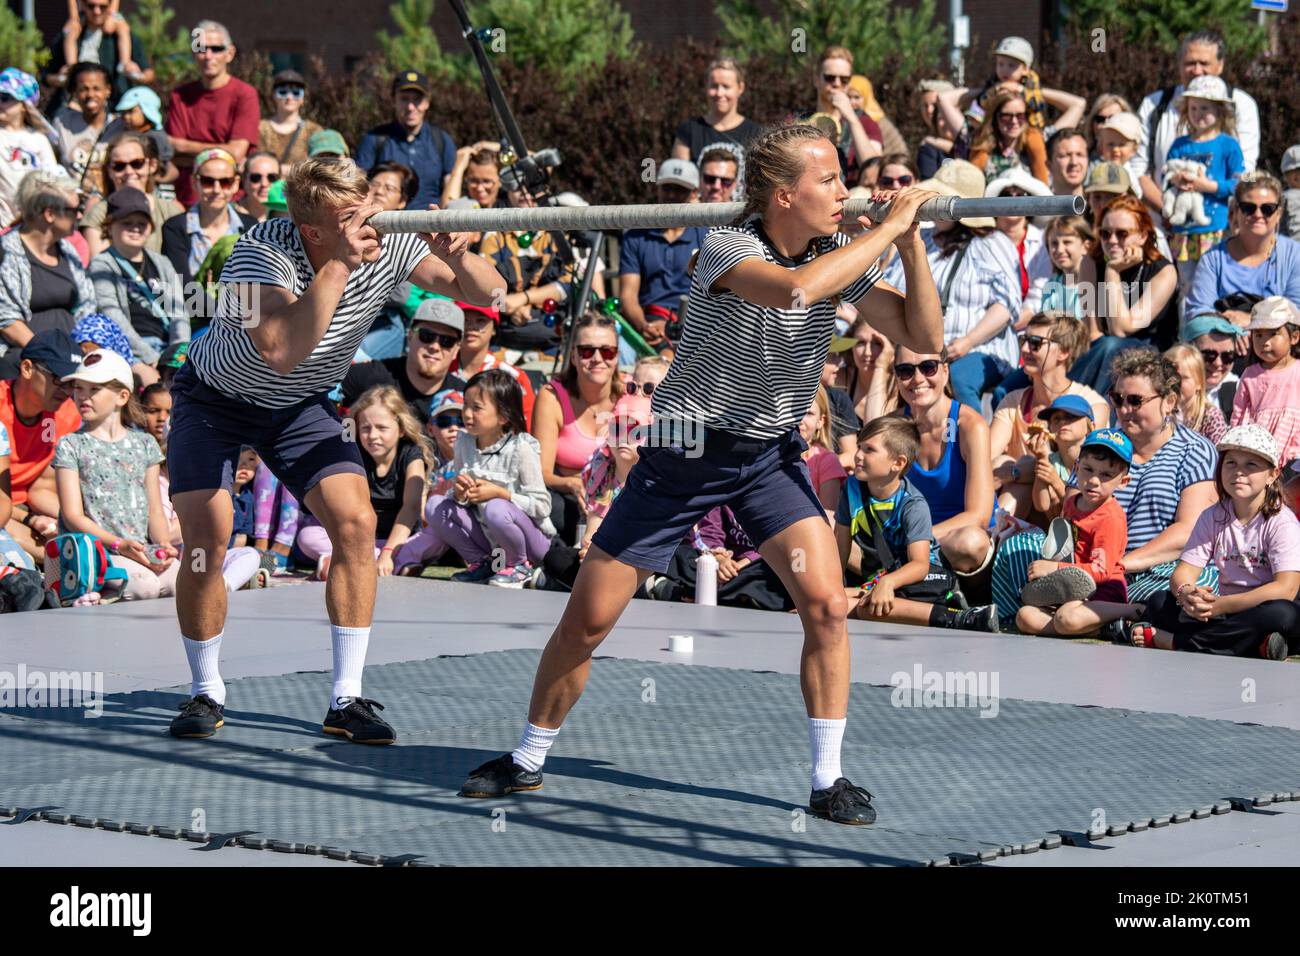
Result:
[301,444]
[765,483]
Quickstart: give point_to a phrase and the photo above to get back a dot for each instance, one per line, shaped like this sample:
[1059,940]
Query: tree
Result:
[169,53]
[414,46]
[20,42]
[571,39]
[1163,23]
[876,31]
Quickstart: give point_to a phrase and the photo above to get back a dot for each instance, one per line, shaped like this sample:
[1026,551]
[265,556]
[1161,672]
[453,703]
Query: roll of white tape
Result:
[681,643]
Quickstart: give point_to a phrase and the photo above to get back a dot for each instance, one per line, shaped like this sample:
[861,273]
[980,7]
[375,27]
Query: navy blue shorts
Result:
[301,444]
[670,488]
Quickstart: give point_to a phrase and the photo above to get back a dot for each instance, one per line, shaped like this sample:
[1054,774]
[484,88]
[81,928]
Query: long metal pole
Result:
[674,215]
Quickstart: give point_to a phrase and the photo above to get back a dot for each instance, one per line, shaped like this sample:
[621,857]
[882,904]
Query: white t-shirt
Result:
[20,153]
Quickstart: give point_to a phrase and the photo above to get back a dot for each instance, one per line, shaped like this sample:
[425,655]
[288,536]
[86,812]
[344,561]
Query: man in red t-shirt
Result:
[214,110]
[36,411]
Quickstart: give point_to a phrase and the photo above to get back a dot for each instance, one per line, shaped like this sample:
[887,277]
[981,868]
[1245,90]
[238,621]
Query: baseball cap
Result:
[1208,322]
[1126,124]
[1252,438]
[174,356]
[100,367]
[957,177]
[1273,313]
[487,310]
[54,349]
[681,172]
[442,311]
[1073,404]
[148,101]
[275,200]
[126,202]
[288,78]
[21,86]
[1018,48]
[1114,440]
[446,400]
[411,80]
[1291,159]
[327,141]
[1108,178]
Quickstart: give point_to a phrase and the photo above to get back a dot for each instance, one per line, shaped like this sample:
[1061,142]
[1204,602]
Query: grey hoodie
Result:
[514,463]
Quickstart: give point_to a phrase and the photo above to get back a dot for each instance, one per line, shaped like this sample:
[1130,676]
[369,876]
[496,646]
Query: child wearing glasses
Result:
[286,133]
[1269,391]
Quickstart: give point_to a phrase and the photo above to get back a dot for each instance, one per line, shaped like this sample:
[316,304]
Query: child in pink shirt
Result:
[1253,541]
[824,468]
[1269,391]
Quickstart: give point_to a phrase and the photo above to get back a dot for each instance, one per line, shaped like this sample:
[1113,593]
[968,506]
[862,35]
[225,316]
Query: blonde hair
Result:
[825,436]
[408,427]
[651,361]
[774,159]
[1194,411]
[317,186]
[1099,104]
[1227,114]
[727,63]
[1065,329]
[834,53]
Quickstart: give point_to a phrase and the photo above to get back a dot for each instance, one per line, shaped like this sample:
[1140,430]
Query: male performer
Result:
[297,297]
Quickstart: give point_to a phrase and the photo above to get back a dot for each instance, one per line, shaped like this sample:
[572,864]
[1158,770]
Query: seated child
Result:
[1069,420]
[744,579]
[1056,597]
[890,520]
[445,422]
[824,468]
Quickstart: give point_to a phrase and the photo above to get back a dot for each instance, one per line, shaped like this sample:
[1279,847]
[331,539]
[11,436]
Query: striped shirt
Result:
[988,273]
[271,253]
[1151,498]
[746,368]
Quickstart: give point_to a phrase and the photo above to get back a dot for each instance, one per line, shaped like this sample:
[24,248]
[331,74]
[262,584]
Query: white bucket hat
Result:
[1252,438]
[1207,88]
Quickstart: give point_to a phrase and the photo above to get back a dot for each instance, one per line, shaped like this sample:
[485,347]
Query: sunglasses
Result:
[1250,208]
[718,180]
[428,337]
[905,371]
[607,352]
[215,48]
[1119,235]
[448,421]
[289,92]
[834,79]
[76,210]
[1033,342]
[121,166]
[1214,355]
[255,178]
[225,182]
[1014,117]
[1134,402]
[892,182]
[648,388]
[6,99]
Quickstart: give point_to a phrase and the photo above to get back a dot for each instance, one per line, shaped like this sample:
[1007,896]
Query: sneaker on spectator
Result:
[322,568]
[657,587]
[537,580]
[1274,647]
[476,573]
[262,579]
[512,576]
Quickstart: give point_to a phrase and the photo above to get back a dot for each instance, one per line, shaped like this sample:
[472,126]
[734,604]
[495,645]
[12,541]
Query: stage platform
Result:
[1154,758]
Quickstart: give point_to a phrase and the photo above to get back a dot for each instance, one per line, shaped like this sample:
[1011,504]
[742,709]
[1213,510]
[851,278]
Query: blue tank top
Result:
[944,486]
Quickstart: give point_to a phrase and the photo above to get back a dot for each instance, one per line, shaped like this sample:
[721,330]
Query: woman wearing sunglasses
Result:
[187,238]
[859,137]
[726,432]
[285,134]
[1171,481]
[131,160]
[261,170]
[1005,139]
[571,416]
[1256,261]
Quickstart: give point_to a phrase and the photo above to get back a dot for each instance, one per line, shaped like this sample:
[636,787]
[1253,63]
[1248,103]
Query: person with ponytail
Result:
[725,432]
[107,476]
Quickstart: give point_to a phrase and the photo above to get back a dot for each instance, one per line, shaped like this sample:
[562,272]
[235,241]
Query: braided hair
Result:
[773,160]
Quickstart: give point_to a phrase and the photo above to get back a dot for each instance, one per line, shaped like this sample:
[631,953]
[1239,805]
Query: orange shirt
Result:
[1100,538]
[30,451]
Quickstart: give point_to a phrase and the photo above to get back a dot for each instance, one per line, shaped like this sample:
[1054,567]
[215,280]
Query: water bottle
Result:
[706,580]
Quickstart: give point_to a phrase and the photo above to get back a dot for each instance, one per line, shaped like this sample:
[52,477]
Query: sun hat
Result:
[957,177]
[1207,88]
[1252,438]
[1273,313]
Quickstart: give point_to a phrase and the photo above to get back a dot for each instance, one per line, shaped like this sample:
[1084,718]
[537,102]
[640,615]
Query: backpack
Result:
[77,564]
[939,586]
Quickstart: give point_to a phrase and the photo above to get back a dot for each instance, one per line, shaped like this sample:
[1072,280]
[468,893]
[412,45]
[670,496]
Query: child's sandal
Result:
[1142,635]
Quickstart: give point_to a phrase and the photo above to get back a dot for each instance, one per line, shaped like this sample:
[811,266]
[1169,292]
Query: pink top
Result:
[573,448]
[1248,555]
[1271,399]
[823,466]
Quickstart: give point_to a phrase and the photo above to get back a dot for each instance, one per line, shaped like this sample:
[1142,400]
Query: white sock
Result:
[825,737]
[533,747]
[349,660]
[205,677]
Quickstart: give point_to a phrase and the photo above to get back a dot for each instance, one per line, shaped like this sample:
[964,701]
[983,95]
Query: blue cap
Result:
[148,101]
[1073,404]
[53,348]
[1209,322]
[1112,439]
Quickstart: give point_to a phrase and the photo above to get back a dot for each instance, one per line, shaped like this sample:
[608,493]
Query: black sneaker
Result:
[978,619]
[498,777]
[477,573]
[199,717]
[358,722]
[842,802]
